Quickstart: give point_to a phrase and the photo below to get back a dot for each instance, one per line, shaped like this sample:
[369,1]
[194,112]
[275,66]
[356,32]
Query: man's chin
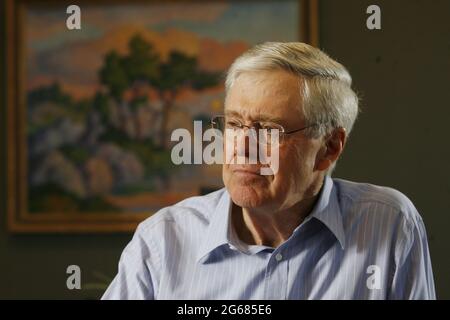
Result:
[247,196]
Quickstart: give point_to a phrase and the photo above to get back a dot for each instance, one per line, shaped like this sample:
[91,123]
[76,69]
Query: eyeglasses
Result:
[221,123]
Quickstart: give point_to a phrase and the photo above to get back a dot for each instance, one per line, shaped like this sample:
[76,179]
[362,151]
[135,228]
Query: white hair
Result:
[328,100]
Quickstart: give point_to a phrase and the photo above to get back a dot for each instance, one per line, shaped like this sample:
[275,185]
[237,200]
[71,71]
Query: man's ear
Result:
[333,146]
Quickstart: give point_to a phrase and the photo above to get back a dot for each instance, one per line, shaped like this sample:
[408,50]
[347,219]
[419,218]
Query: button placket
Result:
[276,277]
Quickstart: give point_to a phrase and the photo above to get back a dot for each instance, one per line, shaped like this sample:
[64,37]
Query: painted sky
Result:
[215,32]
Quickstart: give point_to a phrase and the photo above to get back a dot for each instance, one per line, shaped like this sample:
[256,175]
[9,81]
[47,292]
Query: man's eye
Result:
[268,126]
[233,124]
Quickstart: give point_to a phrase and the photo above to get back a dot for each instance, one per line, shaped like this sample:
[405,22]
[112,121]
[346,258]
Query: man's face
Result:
[274,96]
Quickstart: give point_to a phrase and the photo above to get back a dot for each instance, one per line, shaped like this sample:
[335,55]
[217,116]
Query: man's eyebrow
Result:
[231,113]
[270,118]
[261,117]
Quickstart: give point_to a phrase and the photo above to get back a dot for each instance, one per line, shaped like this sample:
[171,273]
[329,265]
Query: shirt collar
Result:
[219,230]
[326,210]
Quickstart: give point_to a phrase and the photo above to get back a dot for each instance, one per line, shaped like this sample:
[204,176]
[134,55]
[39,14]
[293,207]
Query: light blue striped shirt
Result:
[361,241]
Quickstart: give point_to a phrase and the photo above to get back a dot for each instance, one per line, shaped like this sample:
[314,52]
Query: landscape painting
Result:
[91,116]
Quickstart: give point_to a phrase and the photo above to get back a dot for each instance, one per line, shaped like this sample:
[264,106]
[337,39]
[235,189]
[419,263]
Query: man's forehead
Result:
[272,95]
[264,109]
[247,113]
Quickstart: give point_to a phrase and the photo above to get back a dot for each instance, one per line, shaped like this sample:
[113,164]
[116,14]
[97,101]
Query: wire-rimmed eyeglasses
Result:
[262,131]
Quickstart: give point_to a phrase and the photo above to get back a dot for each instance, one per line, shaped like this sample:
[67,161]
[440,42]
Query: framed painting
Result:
[90,109]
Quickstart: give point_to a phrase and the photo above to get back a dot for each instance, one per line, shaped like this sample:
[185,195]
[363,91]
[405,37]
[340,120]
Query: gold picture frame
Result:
[19,217]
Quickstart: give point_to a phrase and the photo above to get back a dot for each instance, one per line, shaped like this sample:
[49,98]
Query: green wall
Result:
[402,73]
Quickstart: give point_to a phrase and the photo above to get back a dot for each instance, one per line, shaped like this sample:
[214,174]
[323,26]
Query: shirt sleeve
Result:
[134,279]
[413,276]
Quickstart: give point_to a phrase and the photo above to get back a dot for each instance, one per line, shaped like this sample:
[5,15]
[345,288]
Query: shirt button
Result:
[278,257]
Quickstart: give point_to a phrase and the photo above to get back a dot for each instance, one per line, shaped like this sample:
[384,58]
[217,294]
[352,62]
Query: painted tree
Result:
[142,62]
[113,75]
[179,71]
[143,65]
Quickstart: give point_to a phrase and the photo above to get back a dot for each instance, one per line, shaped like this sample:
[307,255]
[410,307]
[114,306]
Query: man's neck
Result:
[266,227]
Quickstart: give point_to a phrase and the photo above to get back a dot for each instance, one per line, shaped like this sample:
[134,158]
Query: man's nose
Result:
[247,143]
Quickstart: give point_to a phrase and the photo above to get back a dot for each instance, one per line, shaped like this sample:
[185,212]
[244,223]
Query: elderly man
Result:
[295,234]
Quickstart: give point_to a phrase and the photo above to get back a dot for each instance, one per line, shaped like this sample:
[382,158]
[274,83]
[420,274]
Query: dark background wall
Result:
[402,73]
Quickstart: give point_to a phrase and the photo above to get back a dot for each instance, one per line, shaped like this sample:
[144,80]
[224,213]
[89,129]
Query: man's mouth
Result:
[249,170]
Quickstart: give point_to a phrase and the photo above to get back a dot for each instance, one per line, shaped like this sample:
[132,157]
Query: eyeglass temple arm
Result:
[297,130]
